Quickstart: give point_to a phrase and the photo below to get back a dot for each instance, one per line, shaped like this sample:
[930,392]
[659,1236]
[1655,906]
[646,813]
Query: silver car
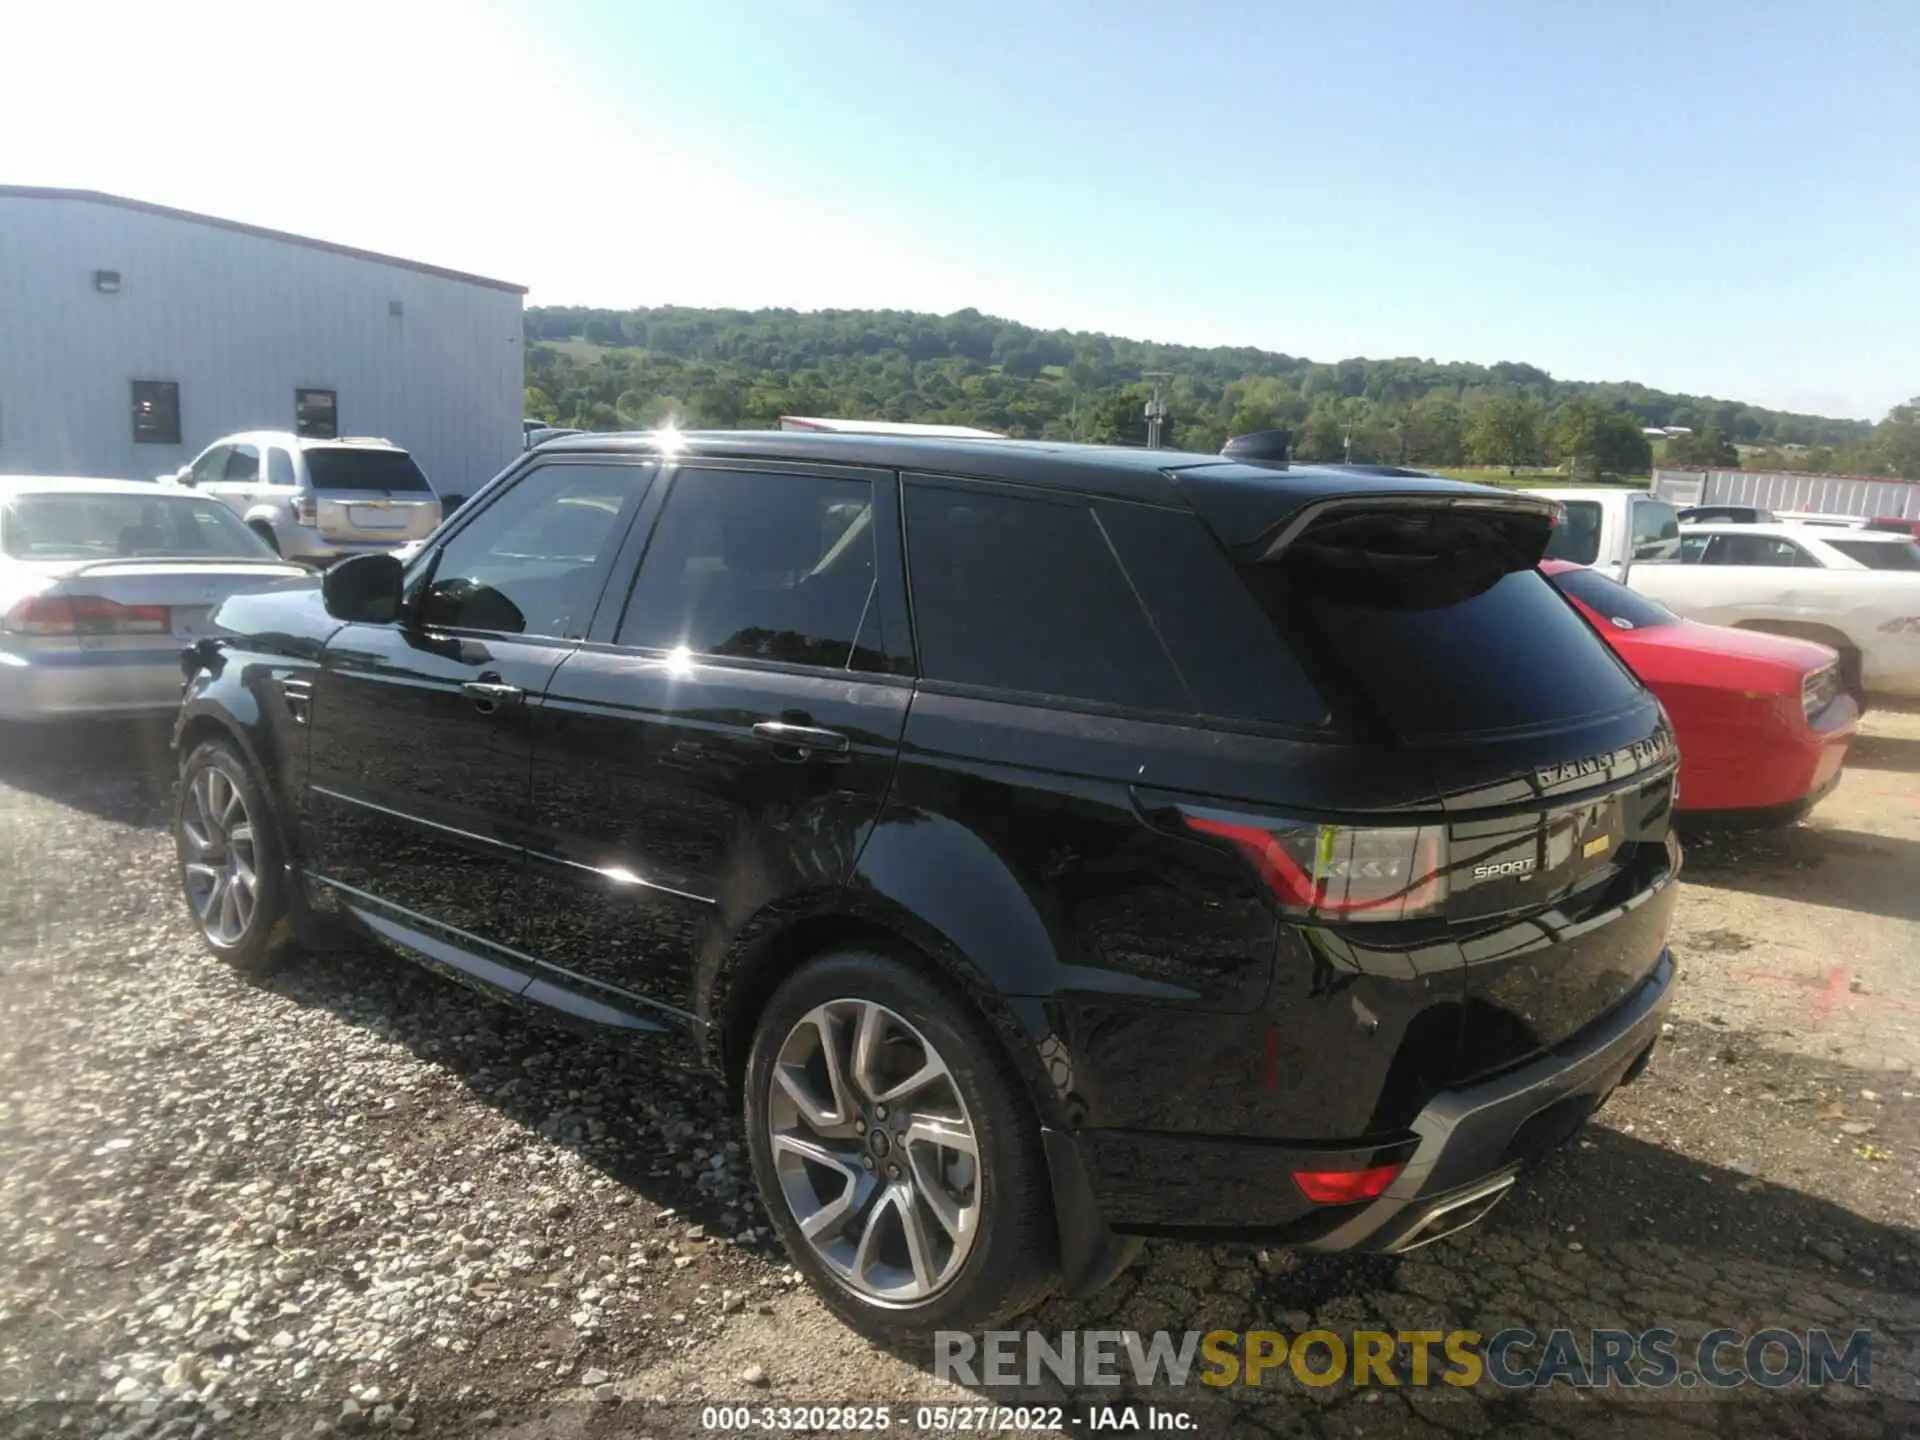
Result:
[104,582]
[317,500]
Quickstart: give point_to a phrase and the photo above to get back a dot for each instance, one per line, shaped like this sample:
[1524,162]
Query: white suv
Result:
[317,500]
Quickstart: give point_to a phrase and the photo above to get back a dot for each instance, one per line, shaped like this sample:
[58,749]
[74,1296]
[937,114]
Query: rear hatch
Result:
[1423,623]
[370,493]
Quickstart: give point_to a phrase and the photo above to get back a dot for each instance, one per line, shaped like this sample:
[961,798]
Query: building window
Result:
[156,412]
[316,415]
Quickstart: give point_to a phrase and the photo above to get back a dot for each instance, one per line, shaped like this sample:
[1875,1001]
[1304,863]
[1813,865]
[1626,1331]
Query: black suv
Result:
[1053,845]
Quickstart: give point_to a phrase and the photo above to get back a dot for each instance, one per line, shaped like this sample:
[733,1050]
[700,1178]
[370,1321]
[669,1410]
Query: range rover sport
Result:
[1051,845]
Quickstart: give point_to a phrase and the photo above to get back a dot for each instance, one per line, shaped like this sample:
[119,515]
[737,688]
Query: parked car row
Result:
[1857,591]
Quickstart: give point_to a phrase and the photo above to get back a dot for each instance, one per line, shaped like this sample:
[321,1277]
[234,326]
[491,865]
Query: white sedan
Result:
[104,582]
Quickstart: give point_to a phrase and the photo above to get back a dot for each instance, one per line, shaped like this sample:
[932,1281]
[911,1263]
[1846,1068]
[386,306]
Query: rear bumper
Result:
[1770,785]
[106,685]
[1465,1148]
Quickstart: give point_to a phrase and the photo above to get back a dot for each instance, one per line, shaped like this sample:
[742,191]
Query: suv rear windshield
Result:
[343,467]
[1628,609]
[1881,554]
[1577,536]
[1425,626]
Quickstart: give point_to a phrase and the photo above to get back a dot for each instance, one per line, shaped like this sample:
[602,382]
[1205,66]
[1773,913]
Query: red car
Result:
[1762,720]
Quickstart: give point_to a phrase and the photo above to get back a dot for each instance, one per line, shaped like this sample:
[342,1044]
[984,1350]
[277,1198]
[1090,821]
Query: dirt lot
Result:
[356,1198]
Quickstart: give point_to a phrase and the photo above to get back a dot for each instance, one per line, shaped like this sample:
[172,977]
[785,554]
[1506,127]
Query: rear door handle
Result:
[804,739]
[490,695]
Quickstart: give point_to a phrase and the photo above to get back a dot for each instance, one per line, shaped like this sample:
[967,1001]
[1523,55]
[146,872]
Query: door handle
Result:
[803,740]
[490,695]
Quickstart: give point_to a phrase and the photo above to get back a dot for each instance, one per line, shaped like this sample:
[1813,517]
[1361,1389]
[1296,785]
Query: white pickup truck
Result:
[1856,590]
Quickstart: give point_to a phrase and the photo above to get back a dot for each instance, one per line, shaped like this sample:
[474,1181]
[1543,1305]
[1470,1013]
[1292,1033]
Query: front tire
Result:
[895,1150]
[230,863]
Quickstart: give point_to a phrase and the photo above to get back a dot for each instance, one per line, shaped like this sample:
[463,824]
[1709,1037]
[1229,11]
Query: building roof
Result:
[121,202]
[1240,501]
[836,426]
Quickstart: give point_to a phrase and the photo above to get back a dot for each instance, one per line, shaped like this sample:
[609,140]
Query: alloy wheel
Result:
[875,1152]
[221,858]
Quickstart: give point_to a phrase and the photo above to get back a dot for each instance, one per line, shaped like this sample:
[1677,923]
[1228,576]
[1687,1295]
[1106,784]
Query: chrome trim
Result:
[453,830]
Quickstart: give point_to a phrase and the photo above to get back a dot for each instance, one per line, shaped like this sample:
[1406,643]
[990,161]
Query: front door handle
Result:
[490,695]
[801,742]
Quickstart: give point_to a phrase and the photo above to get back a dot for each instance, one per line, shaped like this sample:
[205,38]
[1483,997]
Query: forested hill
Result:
[609,369]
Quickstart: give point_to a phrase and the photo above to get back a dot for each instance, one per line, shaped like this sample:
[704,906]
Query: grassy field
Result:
[1497,475]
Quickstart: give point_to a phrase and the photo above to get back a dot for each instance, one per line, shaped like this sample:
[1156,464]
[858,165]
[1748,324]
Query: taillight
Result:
[1343,872]
[85,615]
[1343,1187]
[304,510]
[1819,690]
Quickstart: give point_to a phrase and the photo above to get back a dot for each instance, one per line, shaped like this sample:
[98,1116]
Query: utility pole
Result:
[1156,406]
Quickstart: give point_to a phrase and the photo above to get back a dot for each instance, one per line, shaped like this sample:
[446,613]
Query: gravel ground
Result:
[355,1198]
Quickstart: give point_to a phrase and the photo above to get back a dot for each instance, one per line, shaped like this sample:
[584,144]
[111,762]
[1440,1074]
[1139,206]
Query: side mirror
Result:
[182,476]
[364,588]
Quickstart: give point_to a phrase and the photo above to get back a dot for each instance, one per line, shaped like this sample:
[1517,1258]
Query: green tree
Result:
[1506,431]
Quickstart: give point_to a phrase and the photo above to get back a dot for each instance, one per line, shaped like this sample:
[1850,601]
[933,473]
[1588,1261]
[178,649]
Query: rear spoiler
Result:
[1529,518]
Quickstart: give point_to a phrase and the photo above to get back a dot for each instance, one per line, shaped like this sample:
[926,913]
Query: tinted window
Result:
[1577,536]
[244,463]
[533,561]
[1755,550]
[347,468]
[1656,530]
[1027,595]
[1879,555]
[1693,548]
[98,527]
[279,467]
[1233,662]
[762,566]
[1428,629]
[1628,609]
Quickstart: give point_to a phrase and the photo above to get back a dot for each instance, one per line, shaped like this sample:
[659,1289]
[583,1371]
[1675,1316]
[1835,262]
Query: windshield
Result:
[343,467]
[1577,536]
[1881,554]
[106,527]
[1623,608]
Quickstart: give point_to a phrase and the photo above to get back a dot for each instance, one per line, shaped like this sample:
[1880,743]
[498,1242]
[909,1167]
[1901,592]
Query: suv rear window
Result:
[343,467]
[1577,536]
[1426,626]
[1881,554]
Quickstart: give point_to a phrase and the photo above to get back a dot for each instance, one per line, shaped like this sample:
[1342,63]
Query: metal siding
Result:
[1816,494]
[239,322]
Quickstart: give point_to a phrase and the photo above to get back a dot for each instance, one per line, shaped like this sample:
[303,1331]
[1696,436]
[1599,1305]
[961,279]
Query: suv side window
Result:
[212,465]
[534,560]
[279,466]
[244,463]
[1656,530]
[1026,594]
[758,565]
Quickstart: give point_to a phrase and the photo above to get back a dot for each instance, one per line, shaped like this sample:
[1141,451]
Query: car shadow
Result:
[1850,869]
[1615,1231]
[118,770]
[1897,753]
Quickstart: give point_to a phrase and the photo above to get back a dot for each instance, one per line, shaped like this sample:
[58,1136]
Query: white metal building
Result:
[132,335]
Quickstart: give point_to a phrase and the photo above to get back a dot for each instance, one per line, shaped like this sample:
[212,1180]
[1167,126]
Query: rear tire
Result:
[230,861]
[911,1233]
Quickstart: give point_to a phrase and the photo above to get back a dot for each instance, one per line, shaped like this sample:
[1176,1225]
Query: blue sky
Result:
[1708,196]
